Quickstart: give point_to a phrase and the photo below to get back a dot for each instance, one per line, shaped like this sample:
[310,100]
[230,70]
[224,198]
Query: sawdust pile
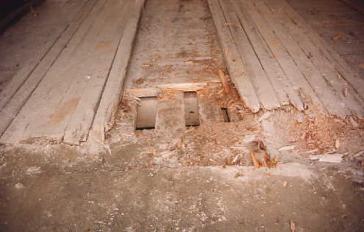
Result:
[220,144]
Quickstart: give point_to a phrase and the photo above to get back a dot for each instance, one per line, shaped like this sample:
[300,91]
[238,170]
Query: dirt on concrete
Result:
[131,190]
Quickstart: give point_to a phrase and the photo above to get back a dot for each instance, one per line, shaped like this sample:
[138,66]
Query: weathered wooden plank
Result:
[87,58]
[281,54]
[327,95]
[32,64]
[233,59]
[261,83]
[209,111]
[146,113]
[340,64]
[281,83]
[79,123]
[327,69]
[113,90]
[12,106]
[170,119]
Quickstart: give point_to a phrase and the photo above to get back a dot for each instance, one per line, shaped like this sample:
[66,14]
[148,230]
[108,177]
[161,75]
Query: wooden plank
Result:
[281,83]
[281,54]
[209,110]
[87,58]
[170,120]
[185,87]
[327,69]
[113,90]
[11,106]
[233,59]
[27,69]
[141,92]
[327,95]
[262,85]
[80,122]
[340,64]
[146,113]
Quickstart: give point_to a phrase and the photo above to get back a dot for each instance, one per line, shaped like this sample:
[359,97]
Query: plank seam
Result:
[258,58]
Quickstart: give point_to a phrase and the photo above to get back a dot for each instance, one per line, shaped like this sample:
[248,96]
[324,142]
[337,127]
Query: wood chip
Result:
[337,143]
[329,158]
[287,148]
[254,159]
[345,91]
[224,81]
[292,226]
[285,184]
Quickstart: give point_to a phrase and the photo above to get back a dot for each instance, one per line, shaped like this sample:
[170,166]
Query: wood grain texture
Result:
[64,104]
[285,60]
[17,94]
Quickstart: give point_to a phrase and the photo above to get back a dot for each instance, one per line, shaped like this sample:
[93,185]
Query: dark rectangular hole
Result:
[192,117]
[146,113]
[225,114]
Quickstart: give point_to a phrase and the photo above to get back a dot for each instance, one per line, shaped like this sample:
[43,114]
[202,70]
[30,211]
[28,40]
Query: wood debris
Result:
[292,226]
[328,158]
[260,156]
[287,148]
[224,81]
